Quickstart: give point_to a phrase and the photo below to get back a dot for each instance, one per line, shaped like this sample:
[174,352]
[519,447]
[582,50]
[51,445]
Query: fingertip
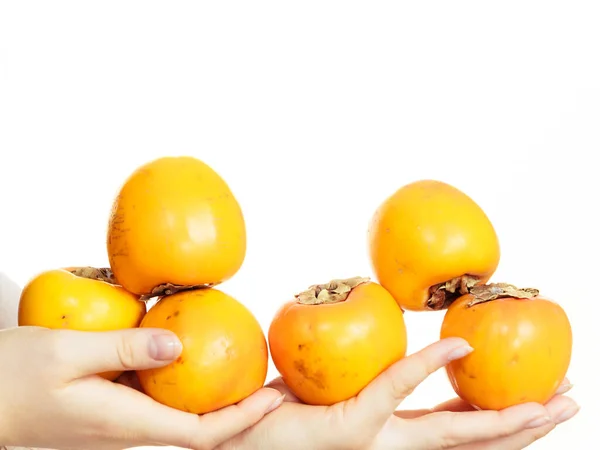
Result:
[562,408]
[530,415]
[265,400]
[276,404]
[164,346]
[455,347]
[564,387]
[454,341]
[531,408]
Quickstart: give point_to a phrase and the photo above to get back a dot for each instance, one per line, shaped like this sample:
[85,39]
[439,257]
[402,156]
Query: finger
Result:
[228,422]
[154,423]
[565,387]
[88,353]
[378,401]
[560,409]
[454,405]
[459,405]
[279,385]
[454,429]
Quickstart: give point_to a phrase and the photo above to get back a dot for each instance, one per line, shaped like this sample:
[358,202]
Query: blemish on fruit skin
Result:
[168,317]
[176,313]
[315,378]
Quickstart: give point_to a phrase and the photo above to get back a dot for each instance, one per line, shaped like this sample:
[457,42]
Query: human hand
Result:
[370,420]
[51,399]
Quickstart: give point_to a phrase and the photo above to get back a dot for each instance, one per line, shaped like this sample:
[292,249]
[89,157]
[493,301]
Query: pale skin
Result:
[50,398]
[371,420]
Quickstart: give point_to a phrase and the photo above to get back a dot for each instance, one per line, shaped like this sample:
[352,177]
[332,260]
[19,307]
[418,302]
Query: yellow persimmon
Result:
[332,340]
[82,299]
[175,222]
[429,242]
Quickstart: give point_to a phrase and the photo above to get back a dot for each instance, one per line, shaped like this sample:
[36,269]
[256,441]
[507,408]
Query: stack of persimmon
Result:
[434,248]
[176,231]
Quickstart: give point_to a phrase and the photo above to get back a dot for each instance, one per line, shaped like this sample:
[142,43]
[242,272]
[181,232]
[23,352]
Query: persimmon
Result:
[522,346]
[333,339]
[79,298]
[174,224]
[224,357]
[429,243]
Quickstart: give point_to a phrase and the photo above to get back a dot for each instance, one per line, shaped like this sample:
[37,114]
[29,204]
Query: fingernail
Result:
[276,404]
[459,352]
[567,414]
[164,347]
[564,388]
[539,422]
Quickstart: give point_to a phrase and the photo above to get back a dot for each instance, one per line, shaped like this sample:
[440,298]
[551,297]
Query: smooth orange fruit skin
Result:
[328,353]
[427,233]
[522,350]
[57,299]
[175,220]
[224,357]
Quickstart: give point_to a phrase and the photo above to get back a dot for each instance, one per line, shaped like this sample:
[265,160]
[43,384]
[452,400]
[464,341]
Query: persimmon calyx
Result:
[443,294]
[169,289]
[493,291]
[94,273]
[335,291]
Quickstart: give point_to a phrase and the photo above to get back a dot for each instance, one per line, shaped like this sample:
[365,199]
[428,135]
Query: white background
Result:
[314,113]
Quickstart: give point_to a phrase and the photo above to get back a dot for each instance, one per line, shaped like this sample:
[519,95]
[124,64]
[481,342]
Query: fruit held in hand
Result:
[334,339]
[224,357]
[82,299]
[522,346]
[429,242]
[175,223]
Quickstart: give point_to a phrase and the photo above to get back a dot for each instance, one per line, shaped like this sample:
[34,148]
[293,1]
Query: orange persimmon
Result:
[224,357]
[429,242]
[332,340]
[522,346]
[82,299]
[175,223]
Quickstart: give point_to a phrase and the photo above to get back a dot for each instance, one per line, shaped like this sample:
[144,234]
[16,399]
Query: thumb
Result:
[377,402]
[90,353]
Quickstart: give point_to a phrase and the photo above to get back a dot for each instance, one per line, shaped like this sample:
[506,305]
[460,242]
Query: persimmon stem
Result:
[335,291]
[93,273]
[443,294]
[165,289]
[494,291]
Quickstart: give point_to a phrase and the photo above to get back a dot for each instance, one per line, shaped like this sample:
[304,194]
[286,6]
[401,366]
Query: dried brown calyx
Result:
[335,291]
[93,273]
[493,291]
[170,289]
[442,295]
